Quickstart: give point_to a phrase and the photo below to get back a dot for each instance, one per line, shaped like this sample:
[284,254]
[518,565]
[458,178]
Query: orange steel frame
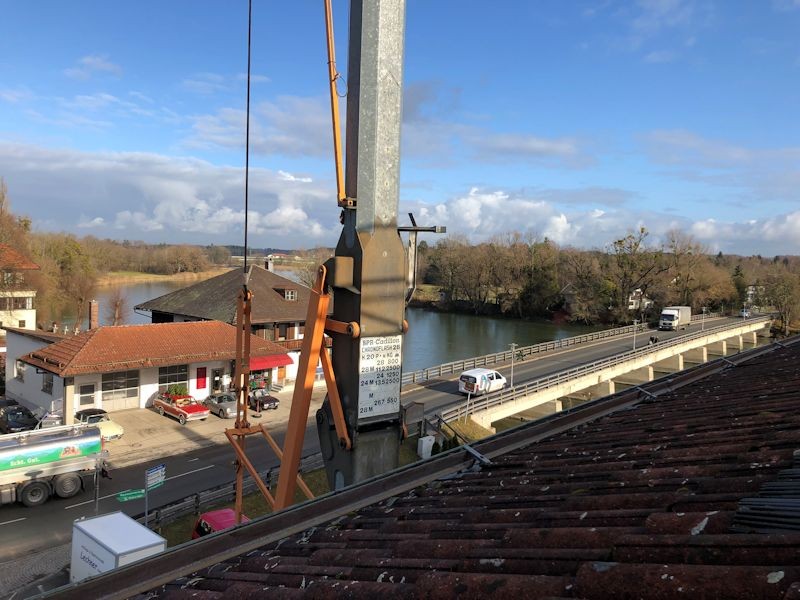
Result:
[289,478]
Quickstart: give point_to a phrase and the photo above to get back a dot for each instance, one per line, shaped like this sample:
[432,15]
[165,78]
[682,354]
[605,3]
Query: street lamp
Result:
[513,351]
[703,321]
[635,323]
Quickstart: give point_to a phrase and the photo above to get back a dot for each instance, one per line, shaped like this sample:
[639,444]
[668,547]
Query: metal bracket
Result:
[644,391]
[478,456]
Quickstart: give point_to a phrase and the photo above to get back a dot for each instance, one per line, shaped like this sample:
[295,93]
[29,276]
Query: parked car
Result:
[15,418]
[745,313]
[183,407]
[109,430]
[215,520]
[222,404]
[260,399]
[480,381]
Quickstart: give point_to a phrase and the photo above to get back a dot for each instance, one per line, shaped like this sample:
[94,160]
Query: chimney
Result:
[269,265]
[94,314]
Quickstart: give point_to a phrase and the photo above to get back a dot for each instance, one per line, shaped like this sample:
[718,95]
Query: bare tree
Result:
[783,291]
[117,308]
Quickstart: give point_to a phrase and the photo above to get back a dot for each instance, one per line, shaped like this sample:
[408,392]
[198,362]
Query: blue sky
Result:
[578,121]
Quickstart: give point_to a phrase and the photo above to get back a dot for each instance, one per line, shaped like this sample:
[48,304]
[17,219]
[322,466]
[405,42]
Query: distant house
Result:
[125,366]
[278,312]
[16,295]
[638,301]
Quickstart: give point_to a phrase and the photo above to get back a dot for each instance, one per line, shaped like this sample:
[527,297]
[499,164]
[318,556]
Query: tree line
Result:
[525,277]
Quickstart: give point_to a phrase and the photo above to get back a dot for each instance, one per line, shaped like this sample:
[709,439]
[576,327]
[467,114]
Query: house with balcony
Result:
[125,366]
[17,297]
[278,312]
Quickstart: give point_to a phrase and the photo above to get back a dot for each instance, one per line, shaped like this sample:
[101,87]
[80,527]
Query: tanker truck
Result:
[36,464]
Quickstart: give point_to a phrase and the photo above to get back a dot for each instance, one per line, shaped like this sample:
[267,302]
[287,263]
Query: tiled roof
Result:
[216,298]
[12,260]
[38,334]
[637,503]
[122,347]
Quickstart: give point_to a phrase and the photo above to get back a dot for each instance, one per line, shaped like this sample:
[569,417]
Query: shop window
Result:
[86,395]
[119,385]
[47,383]
[174,374]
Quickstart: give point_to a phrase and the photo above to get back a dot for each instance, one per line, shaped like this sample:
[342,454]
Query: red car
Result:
[215,520]
[184,408]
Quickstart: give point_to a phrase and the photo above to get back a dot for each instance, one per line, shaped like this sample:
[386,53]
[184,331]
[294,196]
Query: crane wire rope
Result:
[247,135]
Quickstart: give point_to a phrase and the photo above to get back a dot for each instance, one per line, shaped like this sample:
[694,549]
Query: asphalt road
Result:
[26,530]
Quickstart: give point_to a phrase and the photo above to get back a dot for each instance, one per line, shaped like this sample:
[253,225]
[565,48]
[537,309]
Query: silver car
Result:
[223,405]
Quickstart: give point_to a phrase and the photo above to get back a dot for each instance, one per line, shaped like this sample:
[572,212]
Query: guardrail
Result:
[519,353]
[226,492]
[508,395]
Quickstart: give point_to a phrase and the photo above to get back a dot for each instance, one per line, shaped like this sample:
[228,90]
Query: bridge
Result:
[605,375]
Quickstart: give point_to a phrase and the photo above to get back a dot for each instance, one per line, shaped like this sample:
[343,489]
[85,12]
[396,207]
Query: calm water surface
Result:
[433,338]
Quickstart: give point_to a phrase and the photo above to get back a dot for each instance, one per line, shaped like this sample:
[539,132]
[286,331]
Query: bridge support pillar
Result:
[633,378]
[718,348]
[737,342]
[604,388]
[671,364]
[751,338]
[559,405]
[696,355]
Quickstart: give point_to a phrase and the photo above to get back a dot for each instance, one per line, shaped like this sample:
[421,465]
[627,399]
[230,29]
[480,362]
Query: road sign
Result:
[130,495]
[155,476]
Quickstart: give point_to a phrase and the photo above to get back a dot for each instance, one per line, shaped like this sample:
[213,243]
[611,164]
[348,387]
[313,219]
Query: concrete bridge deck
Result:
[628,368]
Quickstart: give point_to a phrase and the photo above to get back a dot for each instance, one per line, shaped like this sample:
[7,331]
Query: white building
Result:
[125,366]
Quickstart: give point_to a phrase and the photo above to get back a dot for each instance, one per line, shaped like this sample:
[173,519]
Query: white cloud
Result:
[88,66]
[91,223]
[163,199]
[16,95]
[289,177]
[290,126]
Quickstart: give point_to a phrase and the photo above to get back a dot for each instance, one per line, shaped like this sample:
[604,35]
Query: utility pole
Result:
[368,271]
[513,351]
[635,323]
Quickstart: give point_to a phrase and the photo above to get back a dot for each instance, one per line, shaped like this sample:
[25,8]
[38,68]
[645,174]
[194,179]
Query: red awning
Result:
[260,363]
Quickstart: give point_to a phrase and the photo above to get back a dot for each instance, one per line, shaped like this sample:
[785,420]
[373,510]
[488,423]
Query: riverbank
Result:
[127,277]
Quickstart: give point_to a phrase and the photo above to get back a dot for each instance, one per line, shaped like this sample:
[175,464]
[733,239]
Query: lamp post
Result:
[513,351]
[703,320]
[635,323]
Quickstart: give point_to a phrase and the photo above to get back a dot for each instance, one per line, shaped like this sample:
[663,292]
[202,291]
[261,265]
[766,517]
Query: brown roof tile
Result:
[12,260]
[117,348]
[216,298]
[638,503]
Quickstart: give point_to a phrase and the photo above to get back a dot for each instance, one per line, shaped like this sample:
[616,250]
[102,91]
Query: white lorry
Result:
[674,318]
[101,544]
[36,464]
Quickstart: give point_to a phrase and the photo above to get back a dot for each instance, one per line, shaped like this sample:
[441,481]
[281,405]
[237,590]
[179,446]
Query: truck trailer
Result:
[36,464]
[674,318]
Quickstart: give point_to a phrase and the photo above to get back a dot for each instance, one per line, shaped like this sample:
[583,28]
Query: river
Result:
[433,337]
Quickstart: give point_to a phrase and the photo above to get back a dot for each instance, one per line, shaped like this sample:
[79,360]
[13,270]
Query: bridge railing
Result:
[488,401]
[520,353]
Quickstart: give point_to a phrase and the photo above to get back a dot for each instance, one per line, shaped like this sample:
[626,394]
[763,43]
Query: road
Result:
[25,530]
[438,394]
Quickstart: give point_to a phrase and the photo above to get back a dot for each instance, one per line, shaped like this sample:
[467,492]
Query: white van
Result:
[480,381]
